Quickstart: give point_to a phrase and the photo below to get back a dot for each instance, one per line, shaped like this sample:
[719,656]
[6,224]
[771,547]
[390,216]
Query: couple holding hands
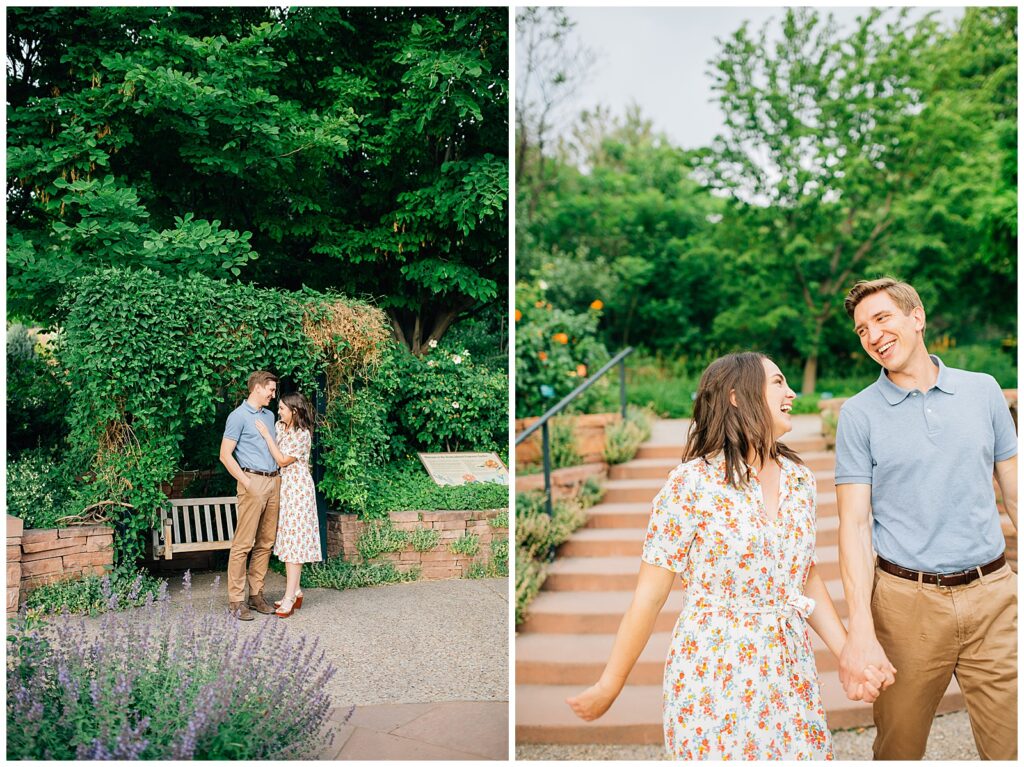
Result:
[276,496]
[929,591]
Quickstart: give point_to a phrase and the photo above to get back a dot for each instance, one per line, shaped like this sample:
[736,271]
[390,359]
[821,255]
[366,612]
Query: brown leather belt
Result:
[961,578]
[261,473]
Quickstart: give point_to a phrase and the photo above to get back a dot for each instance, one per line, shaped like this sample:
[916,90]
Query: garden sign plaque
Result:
[463,468]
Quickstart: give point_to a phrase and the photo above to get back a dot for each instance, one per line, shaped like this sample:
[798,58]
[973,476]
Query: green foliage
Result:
[37,396]
[495,567]
[556,350]
[368,148]
[468,545]
[40,488]
[846,153]
[406,486]
[590,492]
[153,356]
[562,442]
[424,539]
[379,537]
[998,363]
[623,438]
[95,594]
[447,402]
[530,576]
[338,574]
[499,521]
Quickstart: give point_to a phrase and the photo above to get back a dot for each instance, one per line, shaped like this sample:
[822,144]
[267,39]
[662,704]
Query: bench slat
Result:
[201,501]
[215,546]
[230,519]
[176,515]
[208,533]
[218,513]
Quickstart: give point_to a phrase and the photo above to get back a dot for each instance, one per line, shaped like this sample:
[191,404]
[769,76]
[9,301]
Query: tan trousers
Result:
[255,531]
[931,633]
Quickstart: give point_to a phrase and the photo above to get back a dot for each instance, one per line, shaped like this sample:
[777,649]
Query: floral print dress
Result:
[740,680]
[298,529]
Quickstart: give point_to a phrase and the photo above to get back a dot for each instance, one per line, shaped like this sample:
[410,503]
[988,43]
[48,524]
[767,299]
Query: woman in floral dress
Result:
[298,529]
[736,520]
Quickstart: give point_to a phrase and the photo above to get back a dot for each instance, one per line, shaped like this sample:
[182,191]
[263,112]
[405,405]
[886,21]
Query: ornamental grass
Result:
[164,682]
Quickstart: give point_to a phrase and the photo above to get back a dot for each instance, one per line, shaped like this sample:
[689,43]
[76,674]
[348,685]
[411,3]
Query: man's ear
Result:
[732,397]
[918,314]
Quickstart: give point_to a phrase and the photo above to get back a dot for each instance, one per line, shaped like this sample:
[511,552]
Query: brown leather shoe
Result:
[260,605]
[240,611]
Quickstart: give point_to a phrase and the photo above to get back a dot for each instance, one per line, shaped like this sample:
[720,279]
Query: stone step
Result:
[803,444]
[600,612]
[619,573]
[542,716]
[636,512]
[628,541]
[659,468]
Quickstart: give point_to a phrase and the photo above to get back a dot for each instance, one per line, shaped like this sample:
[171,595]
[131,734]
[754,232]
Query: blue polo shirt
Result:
[929,457]
[251,452]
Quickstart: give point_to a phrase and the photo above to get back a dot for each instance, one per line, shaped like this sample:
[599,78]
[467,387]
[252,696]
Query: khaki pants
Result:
[931,633]
[255,531]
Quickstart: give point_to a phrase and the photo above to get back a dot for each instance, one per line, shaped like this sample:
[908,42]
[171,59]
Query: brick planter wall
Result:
[343,530]
[45,556]
[588,430]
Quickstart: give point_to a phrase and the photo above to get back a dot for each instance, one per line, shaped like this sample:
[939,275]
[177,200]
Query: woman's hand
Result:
[262,428]
[872,686]
[592,702]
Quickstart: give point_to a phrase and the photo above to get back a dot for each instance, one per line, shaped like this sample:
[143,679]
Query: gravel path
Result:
[950,740]
[421,642]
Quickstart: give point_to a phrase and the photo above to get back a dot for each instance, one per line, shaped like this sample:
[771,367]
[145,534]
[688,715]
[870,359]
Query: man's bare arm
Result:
[227,447]
[856,564]
[1006,476]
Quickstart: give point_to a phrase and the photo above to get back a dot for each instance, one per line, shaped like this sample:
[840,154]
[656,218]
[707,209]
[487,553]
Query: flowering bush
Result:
[161,685]
[37,394]
[39,488]
[94,594]
[556,350]
[447,402]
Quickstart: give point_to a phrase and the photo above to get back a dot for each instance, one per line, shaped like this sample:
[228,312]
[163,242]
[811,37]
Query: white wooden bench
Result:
[195,524]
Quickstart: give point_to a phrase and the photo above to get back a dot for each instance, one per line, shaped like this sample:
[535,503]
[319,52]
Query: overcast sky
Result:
[657,58]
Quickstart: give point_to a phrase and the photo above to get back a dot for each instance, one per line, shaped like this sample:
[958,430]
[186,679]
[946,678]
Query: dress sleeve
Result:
[303,443]
[673,524]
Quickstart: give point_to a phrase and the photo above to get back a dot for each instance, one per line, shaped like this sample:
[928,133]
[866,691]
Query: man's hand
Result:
[592,702]
[864,667]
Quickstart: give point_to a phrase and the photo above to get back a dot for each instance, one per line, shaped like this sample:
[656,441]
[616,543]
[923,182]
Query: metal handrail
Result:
[542,422]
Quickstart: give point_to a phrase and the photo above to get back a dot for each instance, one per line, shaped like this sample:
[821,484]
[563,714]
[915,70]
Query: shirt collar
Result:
[250,408]
[894,394]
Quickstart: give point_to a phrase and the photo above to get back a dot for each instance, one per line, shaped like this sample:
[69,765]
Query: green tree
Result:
[852,155]
[352,148]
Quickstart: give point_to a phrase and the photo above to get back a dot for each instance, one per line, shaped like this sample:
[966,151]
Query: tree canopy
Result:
[358,149]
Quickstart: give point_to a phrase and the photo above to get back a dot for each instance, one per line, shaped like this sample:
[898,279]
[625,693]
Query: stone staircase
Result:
[562,646]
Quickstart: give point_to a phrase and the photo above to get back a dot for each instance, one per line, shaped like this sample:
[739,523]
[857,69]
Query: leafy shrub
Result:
[556,350]
[424,539]
[495,567]
[468,545]
[500,520]
[94,594]
[164,684]
[37,396]
[40,488]
[530,576]
[406,486]
[178,357]
[623,438]
[380,537]
[447,402]
[997,362]
[590,492]
[336,573]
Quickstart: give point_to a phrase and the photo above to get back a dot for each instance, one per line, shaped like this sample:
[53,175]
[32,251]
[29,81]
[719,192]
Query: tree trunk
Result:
[811,365]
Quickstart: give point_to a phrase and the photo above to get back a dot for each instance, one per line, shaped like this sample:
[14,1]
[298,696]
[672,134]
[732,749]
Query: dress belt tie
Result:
[798,605]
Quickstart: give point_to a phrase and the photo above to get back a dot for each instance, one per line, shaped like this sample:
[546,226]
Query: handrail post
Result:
[622,387]
[546,447]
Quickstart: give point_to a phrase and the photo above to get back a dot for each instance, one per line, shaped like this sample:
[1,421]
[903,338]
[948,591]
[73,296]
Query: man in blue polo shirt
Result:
[245,455]
[915,456]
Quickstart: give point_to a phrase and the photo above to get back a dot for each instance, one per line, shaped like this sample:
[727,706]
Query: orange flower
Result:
[543,356]
[539,304]
[581,371]
[519,315]
[598,304]
[562,338]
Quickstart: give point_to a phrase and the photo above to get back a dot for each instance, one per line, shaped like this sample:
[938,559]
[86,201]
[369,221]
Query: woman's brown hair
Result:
[736,430]
[302,417]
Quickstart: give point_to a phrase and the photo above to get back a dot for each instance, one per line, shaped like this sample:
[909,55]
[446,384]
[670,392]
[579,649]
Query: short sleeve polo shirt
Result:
[929,458]
[251,450]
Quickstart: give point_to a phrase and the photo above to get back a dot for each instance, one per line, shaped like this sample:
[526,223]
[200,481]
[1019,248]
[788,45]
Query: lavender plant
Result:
[164,683]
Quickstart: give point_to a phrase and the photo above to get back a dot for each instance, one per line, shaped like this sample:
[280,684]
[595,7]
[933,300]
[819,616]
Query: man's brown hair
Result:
[902,294]
[736,430]
[260,378]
